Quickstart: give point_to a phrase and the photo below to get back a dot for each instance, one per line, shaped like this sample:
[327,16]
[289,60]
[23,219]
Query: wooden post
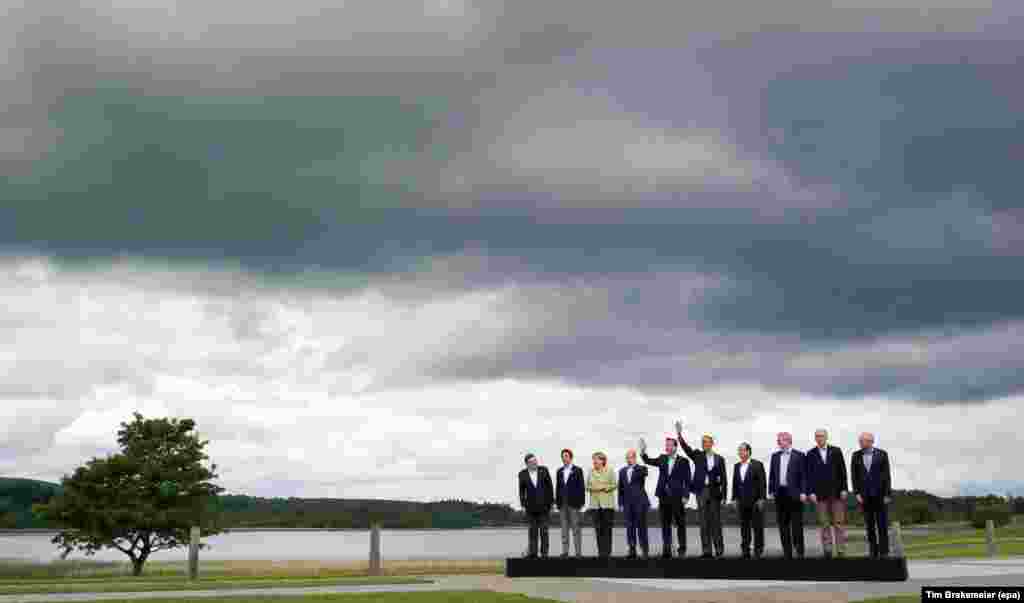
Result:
[990,537]
[193,553]
[897,531]
[375,566]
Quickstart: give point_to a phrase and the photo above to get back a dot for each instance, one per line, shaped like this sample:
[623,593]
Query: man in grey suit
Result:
[570,498]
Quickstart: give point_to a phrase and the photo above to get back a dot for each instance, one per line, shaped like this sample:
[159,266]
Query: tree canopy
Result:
[142,499]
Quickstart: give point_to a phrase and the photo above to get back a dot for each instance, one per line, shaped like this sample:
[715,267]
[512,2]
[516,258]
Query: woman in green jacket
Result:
[601,484]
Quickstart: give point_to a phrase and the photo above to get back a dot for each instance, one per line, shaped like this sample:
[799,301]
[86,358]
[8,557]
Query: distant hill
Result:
[247,511]
[240,511]
[17,495]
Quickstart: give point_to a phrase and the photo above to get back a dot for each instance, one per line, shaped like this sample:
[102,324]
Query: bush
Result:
[1000,515]
[916,512]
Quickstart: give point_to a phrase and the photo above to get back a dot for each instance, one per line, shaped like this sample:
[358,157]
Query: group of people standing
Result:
[818,476]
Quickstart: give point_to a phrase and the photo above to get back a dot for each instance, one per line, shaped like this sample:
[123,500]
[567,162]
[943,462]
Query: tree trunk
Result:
[137,563]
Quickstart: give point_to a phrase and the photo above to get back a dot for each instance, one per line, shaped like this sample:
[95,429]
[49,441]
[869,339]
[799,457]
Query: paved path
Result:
[988,572]
[1001,572]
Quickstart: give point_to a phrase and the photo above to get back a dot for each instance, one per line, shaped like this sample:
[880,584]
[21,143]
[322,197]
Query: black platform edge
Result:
[850,569]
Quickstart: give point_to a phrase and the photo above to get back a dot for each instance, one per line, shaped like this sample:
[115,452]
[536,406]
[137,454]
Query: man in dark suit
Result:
[712,490]
[570,498]
[788,485]
[536,495]
[749,490]
[827,489]
[673,490]
[634,503]
[872,483]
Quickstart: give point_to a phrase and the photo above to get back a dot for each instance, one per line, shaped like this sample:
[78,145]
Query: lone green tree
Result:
[142,499]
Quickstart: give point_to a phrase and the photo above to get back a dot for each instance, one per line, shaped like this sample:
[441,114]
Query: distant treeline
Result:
[16,499]
[239,511]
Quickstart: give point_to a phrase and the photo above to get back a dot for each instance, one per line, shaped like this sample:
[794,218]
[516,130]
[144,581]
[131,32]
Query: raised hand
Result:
[679,427]
[643,445]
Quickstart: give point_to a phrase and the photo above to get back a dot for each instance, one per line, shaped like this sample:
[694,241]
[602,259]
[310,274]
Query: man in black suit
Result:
[634,503]
[711,487]
[788,485]
[536,495]
[749,489]
[872,483]
[570,498]
[673,490]
[826,486]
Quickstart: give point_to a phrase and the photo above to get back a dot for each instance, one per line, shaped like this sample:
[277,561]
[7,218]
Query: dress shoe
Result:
[564,555]
[758,554]
[706,556]
[827,554]
[746,555]
[681,553]
[631,554]
[719,554]
[646,556]
[666,554]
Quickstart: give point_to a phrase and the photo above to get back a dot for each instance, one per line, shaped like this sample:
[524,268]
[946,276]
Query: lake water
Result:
[395,544]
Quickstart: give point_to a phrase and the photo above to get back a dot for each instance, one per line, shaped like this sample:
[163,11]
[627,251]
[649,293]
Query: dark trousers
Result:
[538,527]
[709,508]
[790,513]
[636,526]
[603,519]
[876,521]
[672,510]
[751,516]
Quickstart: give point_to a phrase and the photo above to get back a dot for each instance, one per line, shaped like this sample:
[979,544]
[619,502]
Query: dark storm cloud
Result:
[831,185]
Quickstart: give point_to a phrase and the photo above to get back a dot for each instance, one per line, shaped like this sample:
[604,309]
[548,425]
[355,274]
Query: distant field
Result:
[23,587]
[16,571]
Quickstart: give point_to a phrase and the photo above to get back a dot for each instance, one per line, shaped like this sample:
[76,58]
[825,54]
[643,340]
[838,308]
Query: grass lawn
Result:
[21,571]
[431,597]
[24,587]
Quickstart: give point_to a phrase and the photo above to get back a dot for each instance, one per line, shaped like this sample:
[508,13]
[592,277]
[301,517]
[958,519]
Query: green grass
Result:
[945,551]
[470,596]
[156,585]
[308,569]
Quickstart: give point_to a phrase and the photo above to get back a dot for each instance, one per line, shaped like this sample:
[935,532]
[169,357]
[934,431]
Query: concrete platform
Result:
[853,569]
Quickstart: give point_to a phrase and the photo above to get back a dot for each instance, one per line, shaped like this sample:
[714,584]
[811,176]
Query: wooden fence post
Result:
[375,566]
[193,553]
[990,537]
[897,529]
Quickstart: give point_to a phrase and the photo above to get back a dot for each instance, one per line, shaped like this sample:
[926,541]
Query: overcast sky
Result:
[384,249]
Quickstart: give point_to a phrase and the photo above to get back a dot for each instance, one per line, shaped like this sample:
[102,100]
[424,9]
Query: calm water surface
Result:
[395,544]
